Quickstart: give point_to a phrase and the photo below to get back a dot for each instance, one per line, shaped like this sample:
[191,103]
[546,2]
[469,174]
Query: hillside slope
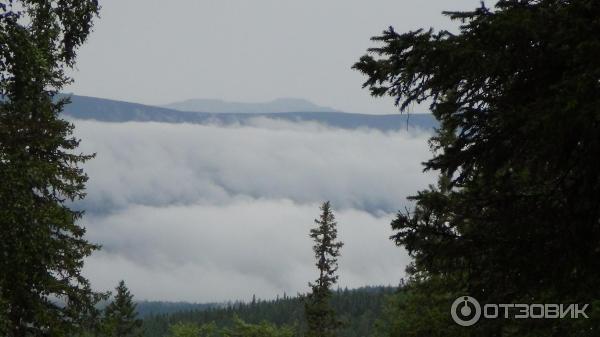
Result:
[220,106]
[105,110]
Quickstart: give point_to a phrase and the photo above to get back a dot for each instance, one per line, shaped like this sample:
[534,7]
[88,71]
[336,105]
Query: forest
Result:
[358,309]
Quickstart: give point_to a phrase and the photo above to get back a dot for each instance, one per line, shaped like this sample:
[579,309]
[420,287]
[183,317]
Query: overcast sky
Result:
[157,52]
[214,213]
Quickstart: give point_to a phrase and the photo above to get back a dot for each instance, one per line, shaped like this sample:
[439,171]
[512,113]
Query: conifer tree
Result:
[515,217]
[42,248]
[120,316]
[184,329]
[320,316]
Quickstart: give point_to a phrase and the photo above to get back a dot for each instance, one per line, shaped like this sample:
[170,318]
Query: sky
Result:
[206,213]
[158,52]
[209,213]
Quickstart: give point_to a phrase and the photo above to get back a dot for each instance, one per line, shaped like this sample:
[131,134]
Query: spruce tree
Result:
[42,248]
[120,317]
[320,317]
[515,217]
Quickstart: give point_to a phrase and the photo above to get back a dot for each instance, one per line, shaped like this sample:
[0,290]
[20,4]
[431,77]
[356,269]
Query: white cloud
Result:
[216,253]
[211,213]
[158,164]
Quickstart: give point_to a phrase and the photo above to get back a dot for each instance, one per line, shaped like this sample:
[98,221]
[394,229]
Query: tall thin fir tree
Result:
[320,317]
[42,248]
[120,316]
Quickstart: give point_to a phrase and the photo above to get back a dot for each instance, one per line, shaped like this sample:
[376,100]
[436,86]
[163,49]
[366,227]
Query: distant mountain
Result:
[277,105]
[106,110]
[92,108]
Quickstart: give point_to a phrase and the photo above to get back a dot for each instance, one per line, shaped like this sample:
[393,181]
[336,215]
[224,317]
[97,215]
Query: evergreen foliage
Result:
[120,316]
[183,329]
[238,329]
[263,329]
[515,217]
[149,308]
[320,316]
[42,291]
[358,310]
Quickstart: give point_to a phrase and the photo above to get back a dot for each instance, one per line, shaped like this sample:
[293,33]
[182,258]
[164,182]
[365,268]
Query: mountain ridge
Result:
[106,110]
[284,104]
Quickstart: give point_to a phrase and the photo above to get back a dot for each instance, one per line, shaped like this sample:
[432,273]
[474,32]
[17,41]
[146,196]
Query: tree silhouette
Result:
[42,248]
[320,316]
[515,216]
[120,317]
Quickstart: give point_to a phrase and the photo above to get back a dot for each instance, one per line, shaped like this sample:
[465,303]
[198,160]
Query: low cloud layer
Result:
[163,164]
[210,213]
[216,253]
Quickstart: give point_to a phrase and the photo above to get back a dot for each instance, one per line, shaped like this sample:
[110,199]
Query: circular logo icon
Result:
[465,311]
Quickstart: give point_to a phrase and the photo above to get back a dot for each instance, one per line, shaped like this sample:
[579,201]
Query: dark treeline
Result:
[149,308]
[358,309]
